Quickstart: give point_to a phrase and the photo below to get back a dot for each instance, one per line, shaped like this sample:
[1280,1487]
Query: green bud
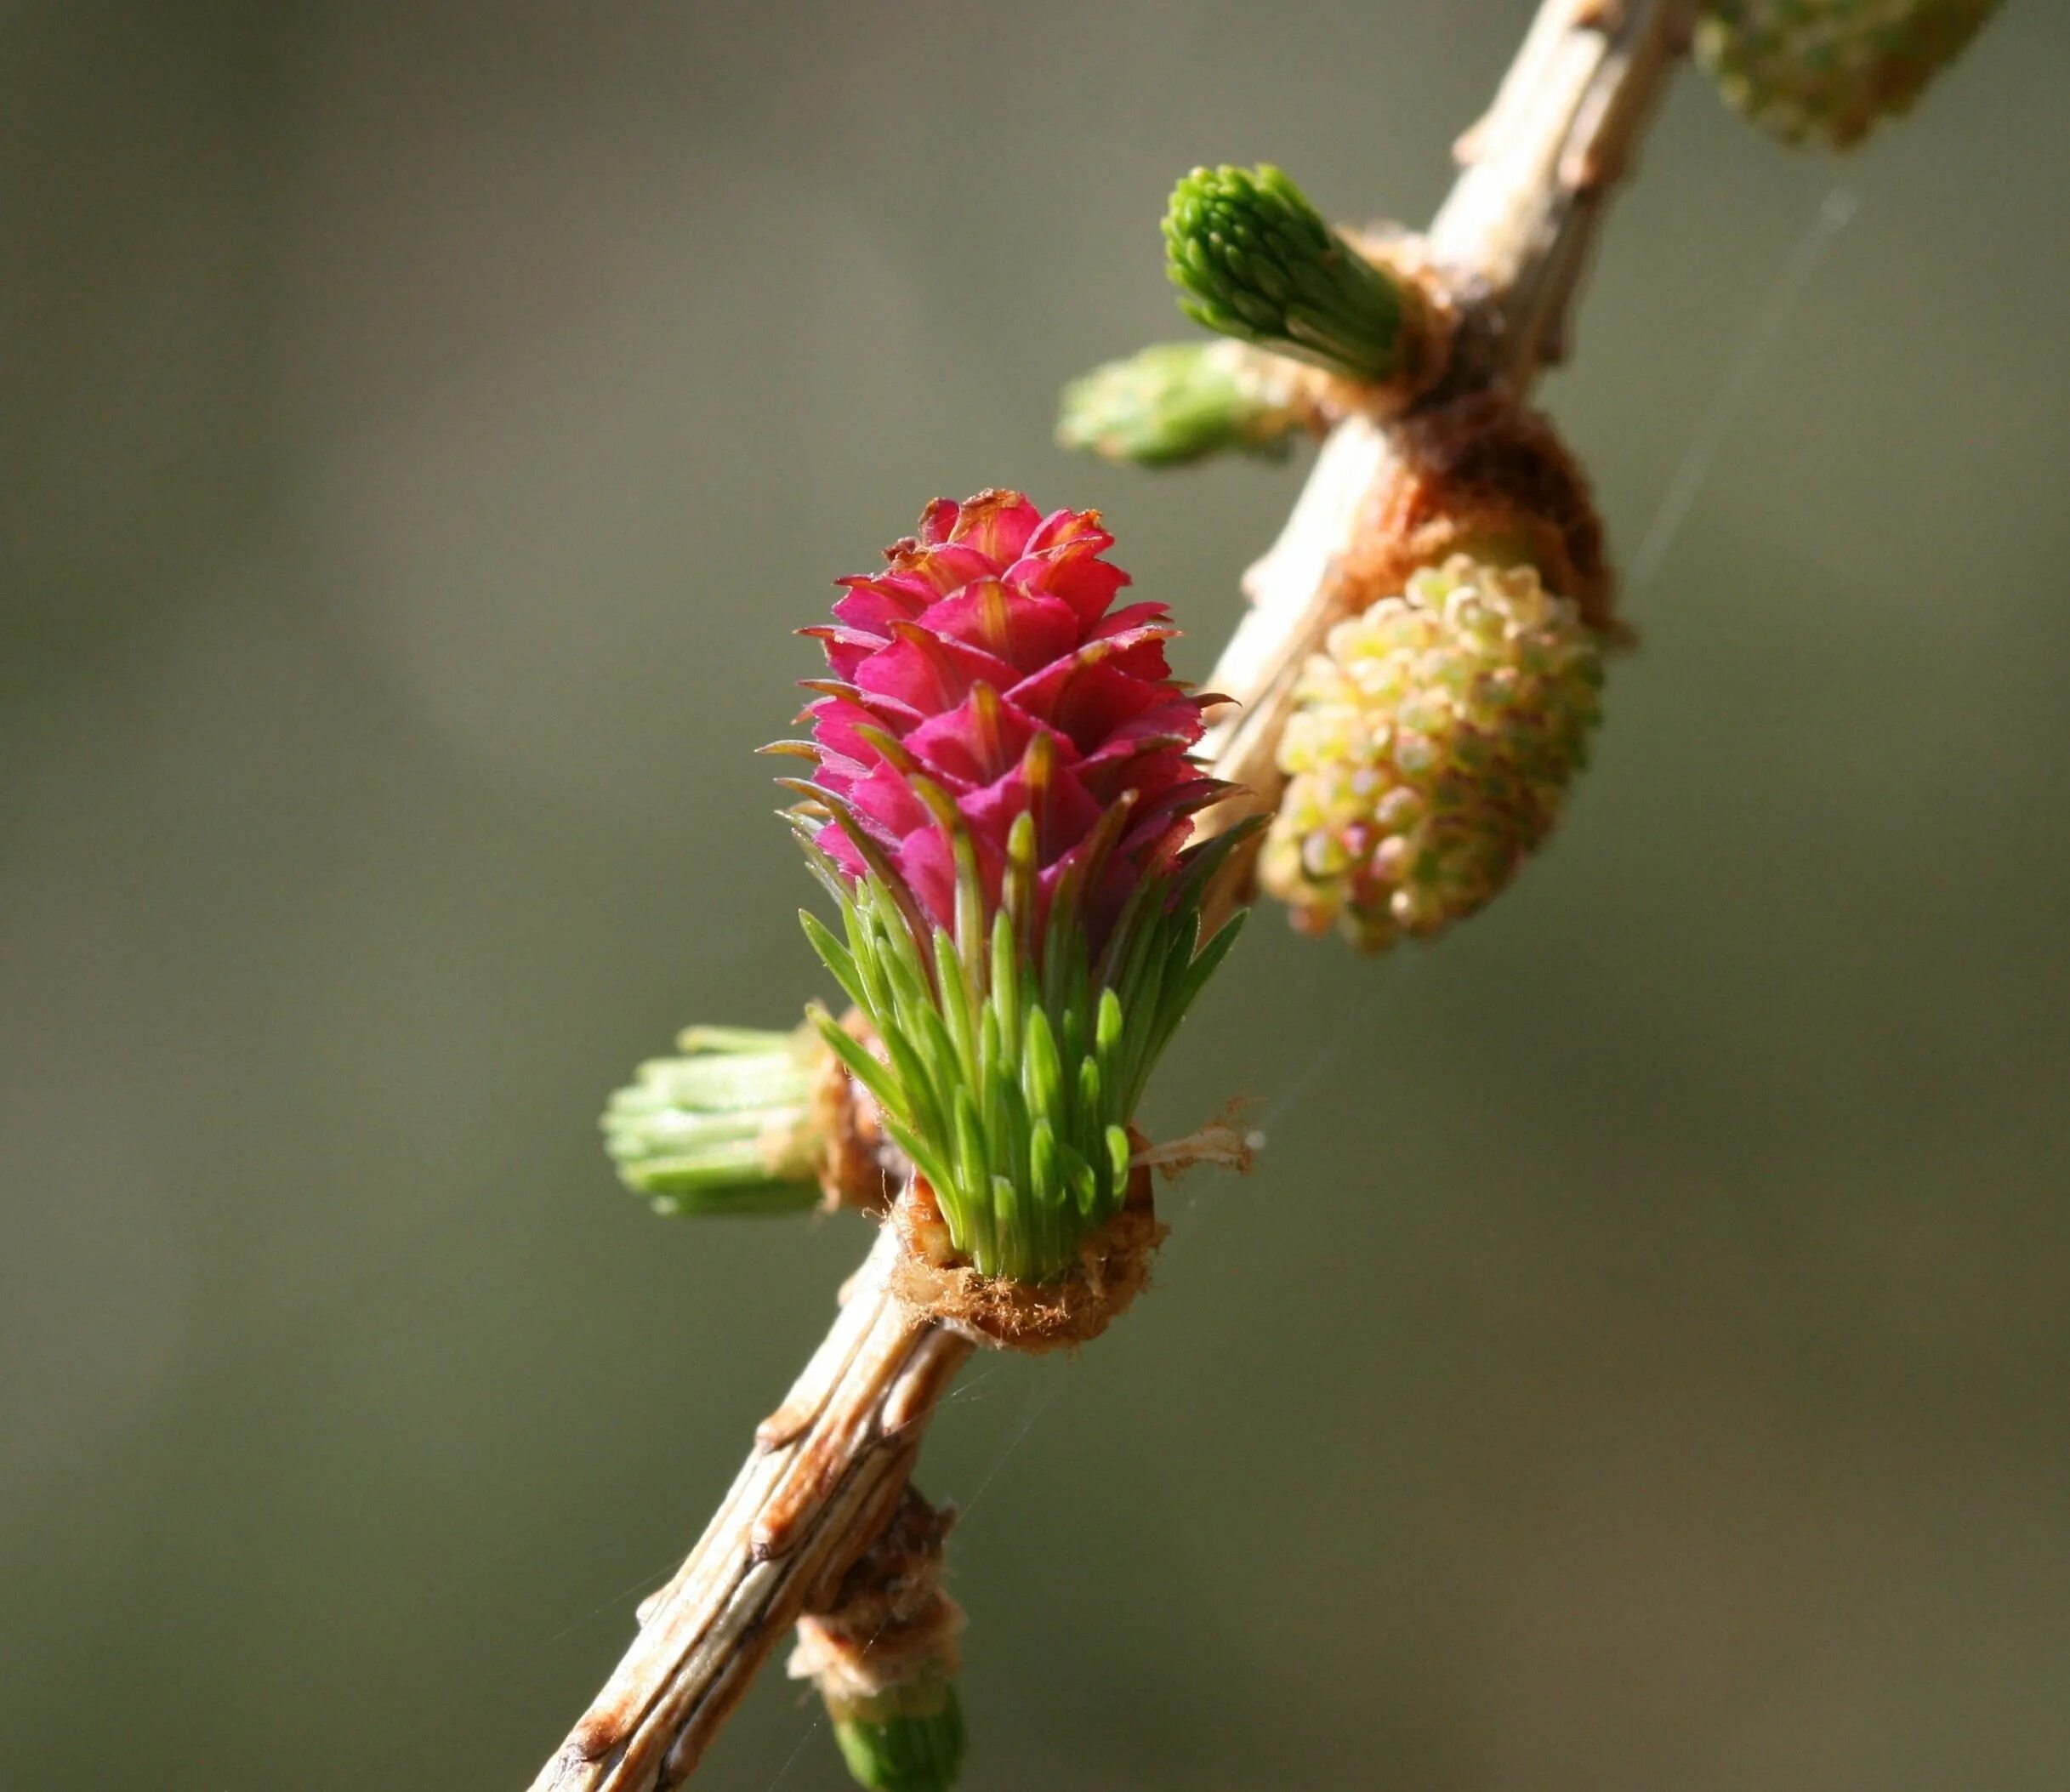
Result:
[1828,70]
[1256,261]
[885,1657]
[909,1741]
[1181,401]
[725,1128]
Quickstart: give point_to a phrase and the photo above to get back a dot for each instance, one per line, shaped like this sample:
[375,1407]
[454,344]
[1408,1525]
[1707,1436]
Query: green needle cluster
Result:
[1177,402]
[1254,259]
[1013,1063]
[725,1129]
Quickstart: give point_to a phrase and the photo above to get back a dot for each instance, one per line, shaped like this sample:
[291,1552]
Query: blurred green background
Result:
[1640,1357]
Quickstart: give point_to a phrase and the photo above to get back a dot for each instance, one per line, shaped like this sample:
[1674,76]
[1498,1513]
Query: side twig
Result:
[828,1468]
[1514,233]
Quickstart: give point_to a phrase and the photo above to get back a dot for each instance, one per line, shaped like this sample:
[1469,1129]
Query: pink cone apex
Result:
[987,659]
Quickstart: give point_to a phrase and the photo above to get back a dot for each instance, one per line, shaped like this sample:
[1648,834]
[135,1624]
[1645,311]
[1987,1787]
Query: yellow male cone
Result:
[1429,752]
[1828,70]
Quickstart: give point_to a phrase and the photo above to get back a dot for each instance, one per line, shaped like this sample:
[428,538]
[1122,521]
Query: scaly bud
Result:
[1487,477]
[1000,809]
[1829,70]
[1429,751]
[1181,401]
[1256,261]
[884,1656]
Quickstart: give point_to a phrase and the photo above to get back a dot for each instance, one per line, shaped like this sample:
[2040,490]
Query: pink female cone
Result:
[1002,755]
[987,659]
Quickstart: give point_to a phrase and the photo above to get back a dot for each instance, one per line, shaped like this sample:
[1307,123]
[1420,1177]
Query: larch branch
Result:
[829,1467]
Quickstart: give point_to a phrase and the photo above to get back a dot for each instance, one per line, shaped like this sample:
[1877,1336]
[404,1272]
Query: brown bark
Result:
[828,1470]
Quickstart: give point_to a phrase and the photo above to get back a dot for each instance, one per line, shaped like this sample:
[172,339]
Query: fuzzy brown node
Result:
[887,1637]
[1485,476]
[858,1166]
[1113,1268]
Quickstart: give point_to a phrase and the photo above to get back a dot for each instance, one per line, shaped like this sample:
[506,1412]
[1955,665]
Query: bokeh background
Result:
[1640,1357]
